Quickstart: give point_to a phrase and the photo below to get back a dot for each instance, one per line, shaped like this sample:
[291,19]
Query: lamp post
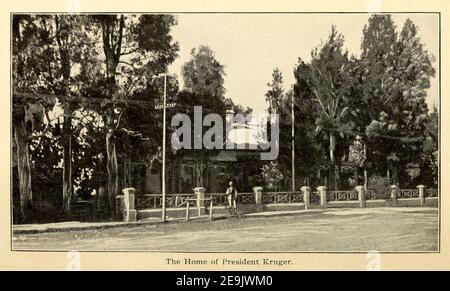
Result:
[164,106]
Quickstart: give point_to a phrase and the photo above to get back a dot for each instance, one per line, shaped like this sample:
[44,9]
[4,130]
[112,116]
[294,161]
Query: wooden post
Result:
[187,210]
[211,210]
[200,196]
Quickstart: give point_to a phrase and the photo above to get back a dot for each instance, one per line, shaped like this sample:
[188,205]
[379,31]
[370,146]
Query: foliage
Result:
[378,183]
[61,54]
[203,74]
[275,95]
[325,89]
[272,176]
[395,73]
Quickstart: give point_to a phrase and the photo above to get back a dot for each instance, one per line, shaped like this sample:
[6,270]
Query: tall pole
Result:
[163,178]
[164,153]
[293,141]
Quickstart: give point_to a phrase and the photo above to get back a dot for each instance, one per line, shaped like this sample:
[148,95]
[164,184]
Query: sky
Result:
[250,46]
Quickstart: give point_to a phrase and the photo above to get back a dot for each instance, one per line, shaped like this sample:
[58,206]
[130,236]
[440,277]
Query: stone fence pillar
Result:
[258,198]
[361,196]
[421,194]
[306,190]
[322,191]
[394,194]
[130,213]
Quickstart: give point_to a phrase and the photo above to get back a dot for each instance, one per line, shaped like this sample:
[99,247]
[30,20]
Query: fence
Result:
[342,195]
[155,200]
[359,197]
[431,193]
[282,197]
[377,194]
[408,193]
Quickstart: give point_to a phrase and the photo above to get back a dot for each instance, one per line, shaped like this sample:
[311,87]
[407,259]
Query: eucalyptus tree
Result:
[33,55]
[131,44]
[328,81]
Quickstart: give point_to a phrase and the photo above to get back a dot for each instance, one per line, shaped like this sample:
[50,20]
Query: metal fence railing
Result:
[342,195]
[149,201]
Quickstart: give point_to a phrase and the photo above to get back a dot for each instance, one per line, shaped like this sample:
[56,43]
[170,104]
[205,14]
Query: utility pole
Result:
[293,140]
[164,106]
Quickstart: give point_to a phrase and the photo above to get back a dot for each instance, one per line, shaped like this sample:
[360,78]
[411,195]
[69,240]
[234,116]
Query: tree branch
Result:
[320,102]
[120,37]
[87,118]
[118,119]
[131,51]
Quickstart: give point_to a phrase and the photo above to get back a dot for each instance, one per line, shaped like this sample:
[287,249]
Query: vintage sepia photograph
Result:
[222,132]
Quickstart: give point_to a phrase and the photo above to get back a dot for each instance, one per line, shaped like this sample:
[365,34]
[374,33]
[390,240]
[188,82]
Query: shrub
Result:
[272,176]
[379,183]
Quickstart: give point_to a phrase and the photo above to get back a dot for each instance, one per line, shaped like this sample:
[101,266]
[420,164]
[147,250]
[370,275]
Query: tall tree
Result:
[137,43]
[64,43]
[278,104]
[203,74]
[203,77]
[328,80]
[395,74]
[32,55]
[112,29]
[275,95]
[308,145]
[71,37]
[430,157]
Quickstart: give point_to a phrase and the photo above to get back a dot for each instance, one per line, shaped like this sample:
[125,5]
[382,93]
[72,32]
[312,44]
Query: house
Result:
[212,169]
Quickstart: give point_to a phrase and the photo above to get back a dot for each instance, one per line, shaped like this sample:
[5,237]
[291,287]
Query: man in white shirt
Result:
[232,194]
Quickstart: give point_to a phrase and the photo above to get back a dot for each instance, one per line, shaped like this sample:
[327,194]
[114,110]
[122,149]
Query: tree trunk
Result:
[332,146]
[101,200]
[111,154]
[388,175]
[338,176]
[67,162]
[365,179]
[332,178]
[62,39]
[113,171]
[112,45]
[24,170]
[394,175]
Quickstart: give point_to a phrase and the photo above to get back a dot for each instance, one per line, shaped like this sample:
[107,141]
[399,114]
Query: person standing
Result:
[232,194]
